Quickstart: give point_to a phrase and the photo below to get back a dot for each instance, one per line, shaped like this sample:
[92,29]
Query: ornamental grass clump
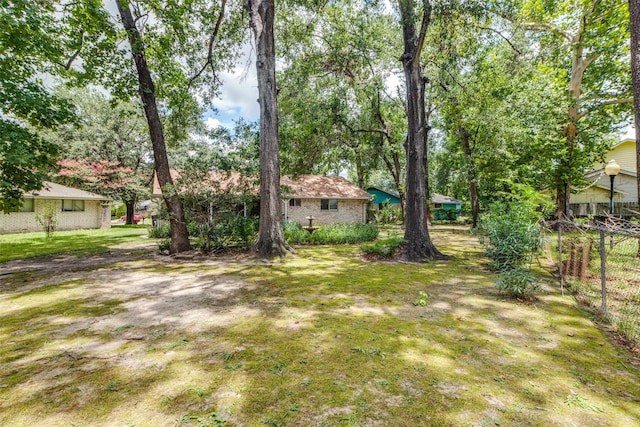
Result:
[512,237]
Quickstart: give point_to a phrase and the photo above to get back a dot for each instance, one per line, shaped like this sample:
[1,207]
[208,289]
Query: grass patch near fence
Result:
[77,242]
[320,338]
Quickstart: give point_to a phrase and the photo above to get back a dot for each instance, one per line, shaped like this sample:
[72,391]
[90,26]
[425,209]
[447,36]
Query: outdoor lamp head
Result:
[612,168]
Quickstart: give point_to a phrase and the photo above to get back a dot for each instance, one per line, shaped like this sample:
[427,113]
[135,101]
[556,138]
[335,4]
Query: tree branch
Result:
[212,39]
[424,25]
[75,54]
[502,36]
[616,101]
[544,26]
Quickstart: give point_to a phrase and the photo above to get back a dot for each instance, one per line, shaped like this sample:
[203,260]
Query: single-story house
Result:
[438,201]
[328,199]
[593,198]
[75,209]
[382,198]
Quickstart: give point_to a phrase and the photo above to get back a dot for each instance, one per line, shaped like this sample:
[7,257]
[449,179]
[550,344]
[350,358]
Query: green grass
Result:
[76,242]
[320,338]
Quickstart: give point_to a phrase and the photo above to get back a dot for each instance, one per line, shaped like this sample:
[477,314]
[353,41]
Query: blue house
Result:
[382,197]
[438,201]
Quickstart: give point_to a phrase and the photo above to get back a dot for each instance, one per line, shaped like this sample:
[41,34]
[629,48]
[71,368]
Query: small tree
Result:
[48,220]
[106,177]
[512,237]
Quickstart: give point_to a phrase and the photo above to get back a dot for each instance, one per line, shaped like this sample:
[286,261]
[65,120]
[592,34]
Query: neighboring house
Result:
[593,199]
[438,201]
[328,199]
[382,198]
[75,209]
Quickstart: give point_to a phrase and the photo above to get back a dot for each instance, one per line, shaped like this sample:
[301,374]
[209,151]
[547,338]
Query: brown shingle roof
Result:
[322,187]
[303,186]
[215,180]
[51,190]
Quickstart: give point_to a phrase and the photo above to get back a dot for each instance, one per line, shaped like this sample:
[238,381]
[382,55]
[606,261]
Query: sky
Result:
[238,94]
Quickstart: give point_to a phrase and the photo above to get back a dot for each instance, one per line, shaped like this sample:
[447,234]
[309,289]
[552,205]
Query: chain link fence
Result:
[599,262]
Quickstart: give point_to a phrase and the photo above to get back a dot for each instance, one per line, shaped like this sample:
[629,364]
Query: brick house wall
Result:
[95,215]
[349,212]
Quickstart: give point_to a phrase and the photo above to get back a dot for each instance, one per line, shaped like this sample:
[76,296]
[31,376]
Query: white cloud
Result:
[212,123]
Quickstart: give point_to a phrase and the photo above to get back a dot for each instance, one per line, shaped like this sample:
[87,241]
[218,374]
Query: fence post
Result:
[576,259]
[560,259]
[584,263]
[569,258]
[603,275]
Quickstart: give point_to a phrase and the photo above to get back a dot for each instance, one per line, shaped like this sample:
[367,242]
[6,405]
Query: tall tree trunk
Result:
[270,241]
[130,206]
[419,246]
[179,234]
[472,176]
[634,16]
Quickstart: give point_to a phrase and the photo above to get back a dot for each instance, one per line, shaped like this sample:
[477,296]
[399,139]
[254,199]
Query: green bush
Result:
[518,282]
[237,232]
[383,248]
[387,215]
[48,220]
[162,232]
[164,245]
[512,238]
[334,234]
[511,235]
[445,214]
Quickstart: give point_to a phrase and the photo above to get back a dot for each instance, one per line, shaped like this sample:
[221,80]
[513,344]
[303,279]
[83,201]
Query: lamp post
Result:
[612,169]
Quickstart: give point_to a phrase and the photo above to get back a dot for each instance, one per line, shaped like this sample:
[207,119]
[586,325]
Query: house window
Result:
[295,202]
[437,205]
[27,206]
[329,204]
[73,206]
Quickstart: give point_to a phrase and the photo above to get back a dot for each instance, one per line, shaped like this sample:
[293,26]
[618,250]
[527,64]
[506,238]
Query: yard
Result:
[125,336]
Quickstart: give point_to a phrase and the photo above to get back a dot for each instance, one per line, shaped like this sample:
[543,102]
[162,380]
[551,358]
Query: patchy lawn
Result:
[76,242]
[320,338]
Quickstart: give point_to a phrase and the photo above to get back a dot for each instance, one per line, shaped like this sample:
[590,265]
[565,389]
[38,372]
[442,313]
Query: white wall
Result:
[93,216]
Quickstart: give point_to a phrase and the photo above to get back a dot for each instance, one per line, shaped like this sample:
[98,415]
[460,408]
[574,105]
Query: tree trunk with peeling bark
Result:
[419,246]
[179,234]
[271,242]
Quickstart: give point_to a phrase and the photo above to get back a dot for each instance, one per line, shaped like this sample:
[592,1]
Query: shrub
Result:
[48,220]
[383,248]
[334,234]
[237,232]
[518,282]
[512,238]
[387,215]
[162,232]
[511,235]
[294,234]
[445,214]
[164,245]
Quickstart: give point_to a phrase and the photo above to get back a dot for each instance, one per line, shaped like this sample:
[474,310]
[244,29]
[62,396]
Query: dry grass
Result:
[320,338]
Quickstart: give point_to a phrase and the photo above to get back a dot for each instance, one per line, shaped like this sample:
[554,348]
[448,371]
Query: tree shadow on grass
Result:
[317,339]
